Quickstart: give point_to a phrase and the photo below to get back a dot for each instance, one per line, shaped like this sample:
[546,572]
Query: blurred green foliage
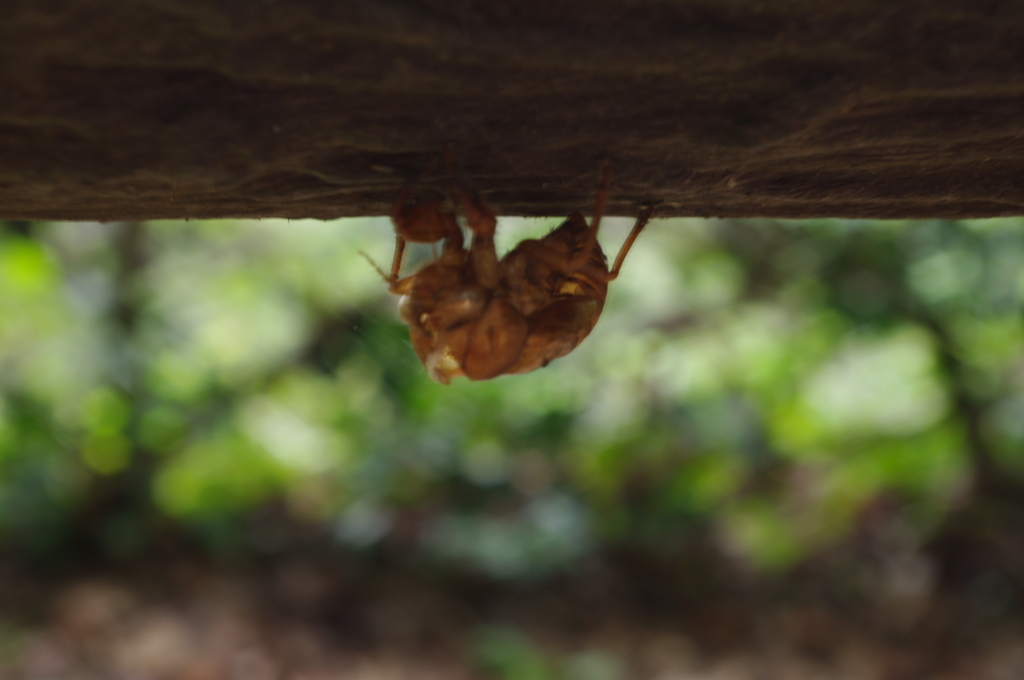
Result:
[762,382]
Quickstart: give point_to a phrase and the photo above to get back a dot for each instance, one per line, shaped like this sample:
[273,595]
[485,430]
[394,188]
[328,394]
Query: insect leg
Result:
[582,251]
[479,216]
[399,215]
[483,223]
[453,252]
[396,262]
[641,222]
[398,219]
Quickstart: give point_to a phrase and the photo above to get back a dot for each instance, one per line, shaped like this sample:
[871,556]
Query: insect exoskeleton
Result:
[471,314]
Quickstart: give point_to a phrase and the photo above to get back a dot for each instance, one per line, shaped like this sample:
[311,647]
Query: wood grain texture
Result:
[141,109]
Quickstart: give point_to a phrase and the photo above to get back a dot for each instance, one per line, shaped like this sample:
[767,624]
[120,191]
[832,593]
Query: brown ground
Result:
[860,609]
[302,619]
[117,109]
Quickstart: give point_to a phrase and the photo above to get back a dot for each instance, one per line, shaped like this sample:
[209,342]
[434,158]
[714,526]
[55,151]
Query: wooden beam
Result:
[141,109]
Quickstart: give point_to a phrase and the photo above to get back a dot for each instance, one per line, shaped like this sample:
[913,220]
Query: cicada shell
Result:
[471,314]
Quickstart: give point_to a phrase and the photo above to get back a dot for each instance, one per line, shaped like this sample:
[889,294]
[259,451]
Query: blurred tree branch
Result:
[987,477]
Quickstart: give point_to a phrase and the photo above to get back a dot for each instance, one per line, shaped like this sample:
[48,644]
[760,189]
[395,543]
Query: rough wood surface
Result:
[117,109]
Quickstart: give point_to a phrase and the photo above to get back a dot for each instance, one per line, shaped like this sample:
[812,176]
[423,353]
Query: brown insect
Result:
[471,314]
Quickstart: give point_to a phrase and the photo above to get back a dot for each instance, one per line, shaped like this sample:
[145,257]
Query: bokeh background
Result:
[789,449]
